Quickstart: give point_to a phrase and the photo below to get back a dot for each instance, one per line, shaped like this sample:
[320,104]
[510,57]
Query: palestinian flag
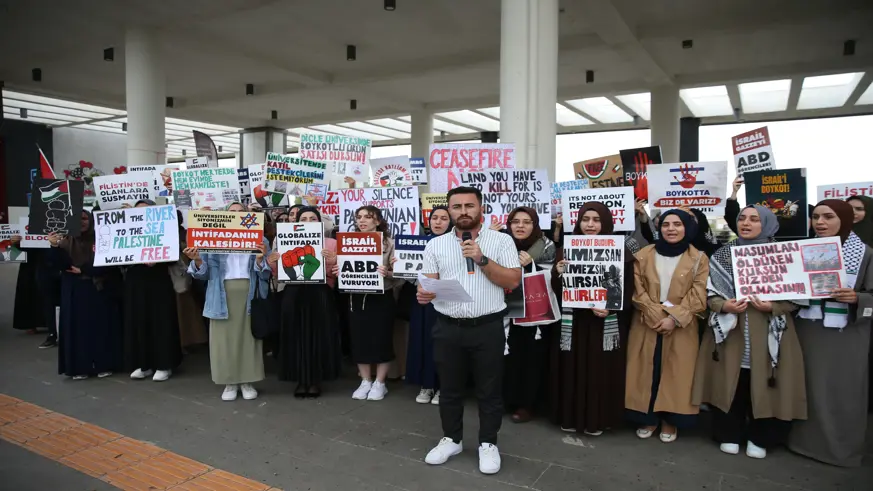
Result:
[54,191]
[45,169]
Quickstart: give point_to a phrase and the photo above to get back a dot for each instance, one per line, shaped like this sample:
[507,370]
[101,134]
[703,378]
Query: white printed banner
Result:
[193,163]
[418,167]
[701,185]
[300,247]
[117,190]
[409,252]
[844,191]
[400,207]
[148,234]
[753,151]
[620,202]
[391,171]
[594,274]
[448,161]
[163,175]
[359,255]
[32,241]
[505,190]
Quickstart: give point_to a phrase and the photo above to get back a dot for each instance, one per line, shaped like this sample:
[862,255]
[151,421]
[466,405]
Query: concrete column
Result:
[665,121]
[528,80]
[422,134]
[254,143]
[146,91]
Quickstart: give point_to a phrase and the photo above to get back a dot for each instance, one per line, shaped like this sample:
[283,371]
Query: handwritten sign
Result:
[844,191]
[294,176]
[300,247]
[752,151]
[116,190]
[602,172]
[792,270]
[391,171]
[503,191]
[209,187]
[594,274]
[400,207]
[620,202]
[701,185]
[349,155]
[329,206]
[409,252]
[448,161]
[148,234]
[359,255]
[225,231]
[558,189]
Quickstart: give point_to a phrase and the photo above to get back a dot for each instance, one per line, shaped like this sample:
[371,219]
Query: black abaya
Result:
[309,347]
[28,307]
[151,323]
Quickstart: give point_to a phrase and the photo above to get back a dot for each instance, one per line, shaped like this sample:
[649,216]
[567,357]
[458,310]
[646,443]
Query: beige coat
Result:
[679,354]
[715,382]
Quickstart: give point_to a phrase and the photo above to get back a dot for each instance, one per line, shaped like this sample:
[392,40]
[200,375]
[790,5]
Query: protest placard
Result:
[300,247]
[148,234]
[210,187]
[418,168]
[163,175]
[844,190]
[9,252]
[359,255]
[245,188]
[409,252]
[32,241]
[56,206]
[400,207]
[259,195]
[620,202]
[602,172]
[225,231]
[752,151]
[330,207]
[594,274]
[349,155]
[391,171]
[791,270]
[449,160]
[784,193]
[428,201]
[558,189]
[194,163]
[293,175]
[701,185]
[635,162]
[505,190]
[116,190]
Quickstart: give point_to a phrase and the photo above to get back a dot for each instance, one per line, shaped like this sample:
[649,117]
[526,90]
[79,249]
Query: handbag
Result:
[264,312]
[540,302]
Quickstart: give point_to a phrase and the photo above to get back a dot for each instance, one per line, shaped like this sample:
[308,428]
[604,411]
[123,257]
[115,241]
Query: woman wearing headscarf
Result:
[835,337]
[589,357]
[527,359]
[89,341]
[750,366]
[420,365]
[669,291]
[236,358]
[189,303]
[862,219]
[309,346]
[152,347]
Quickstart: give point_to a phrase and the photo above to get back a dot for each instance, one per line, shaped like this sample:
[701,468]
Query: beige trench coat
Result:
[679,353]
[715,382]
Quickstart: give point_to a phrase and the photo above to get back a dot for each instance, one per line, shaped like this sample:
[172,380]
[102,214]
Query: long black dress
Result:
[151,323]
[309,346]
[420,365]
[28,309]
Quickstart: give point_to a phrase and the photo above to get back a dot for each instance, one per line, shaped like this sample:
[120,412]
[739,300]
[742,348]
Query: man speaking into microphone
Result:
[469,337]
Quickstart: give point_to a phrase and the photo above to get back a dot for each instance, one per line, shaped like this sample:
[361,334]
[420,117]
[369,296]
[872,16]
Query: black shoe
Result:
[50,342]
[300,391]
[314,392]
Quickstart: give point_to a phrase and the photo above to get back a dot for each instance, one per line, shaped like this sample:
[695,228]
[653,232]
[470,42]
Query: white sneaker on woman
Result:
[249,392]
[424,396]
[755,451]
[229,393]
[441,453]
[162,375]
[377,392]
[489,459]
[436,399]
[363,390]
[139,373]
[729,448]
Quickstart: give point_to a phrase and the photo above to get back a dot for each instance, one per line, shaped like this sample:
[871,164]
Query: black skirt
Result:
[151,322]
[309,346]
[371,327]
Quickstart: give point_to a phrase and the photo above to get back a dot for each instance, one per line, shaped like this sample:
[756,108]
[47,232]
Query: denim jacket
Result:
[214,268]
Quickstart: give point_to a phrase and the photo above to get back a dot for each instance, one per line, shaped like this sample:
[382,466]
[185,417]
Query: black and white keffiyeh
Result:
[835,315]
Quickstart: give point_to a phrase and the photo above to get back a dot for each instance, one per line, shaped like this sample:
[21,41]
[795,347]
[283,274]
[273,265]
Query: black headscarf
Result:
[310,209]
[430,217]
[663,247]
[864,228]
[146,201]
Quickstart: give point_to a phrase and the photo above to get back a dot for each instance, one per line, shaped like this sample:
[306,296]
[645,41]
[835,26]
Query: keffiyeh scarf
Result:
[836,314]
[611,336]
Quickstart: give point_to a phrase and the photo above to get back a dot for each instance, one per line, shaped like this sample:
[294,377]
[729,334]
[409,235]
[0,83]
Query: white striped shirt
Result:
[443,256]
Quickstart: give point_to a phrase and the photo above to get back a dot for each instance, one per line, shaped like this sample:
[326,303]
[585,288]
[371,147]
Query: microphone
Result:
[465,237]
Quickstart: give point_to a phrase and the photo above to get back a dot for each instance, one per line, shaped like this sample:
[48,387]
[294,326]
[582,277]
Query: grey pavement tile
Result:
[23,470]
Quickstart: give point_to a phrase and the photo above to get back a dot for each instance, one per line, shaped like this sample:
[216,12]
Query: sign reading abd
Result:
[359,255]
[752,151]
[149,234]
[225,231]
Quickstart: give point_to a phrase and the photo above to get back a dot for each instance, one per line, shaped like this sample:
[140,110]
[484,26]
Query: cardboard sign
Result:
[701,185]
[428,202]
[330,207]
[349,155]
[784,193]
[635,163]
[149,234]
[503,191]
[163,176]
[594,274]
[225,231]
[409,252]
[391,171]
[194,163]
[300,247]
[211,187]
[558,189]
[292,175]
[620,202]
[359,255]
[10,253]
[32,241]
[400,207]
[792,270]
[418,168]
[844,191]
[752,151]
[56,206]
[449,160]
[116,190]
[602,172]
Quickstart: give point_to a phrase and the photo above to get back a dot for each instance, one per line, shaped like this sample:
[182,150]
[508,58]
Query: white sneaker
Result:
[489,459]
[729,448]
[441,453]
[363,390]
[104,374]
[755,451]
[377,392]
[229,393]
[424,396]
[162,375]
[436,399]
[139,374]
[249,392]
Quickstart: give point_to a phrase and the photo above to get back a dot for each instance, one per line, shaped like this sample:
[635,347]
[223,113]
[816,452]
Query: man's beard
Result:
[474,223]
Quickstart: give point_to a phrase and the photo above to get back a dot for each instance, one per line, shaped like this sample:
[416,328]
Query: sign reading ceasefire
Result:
[225,231]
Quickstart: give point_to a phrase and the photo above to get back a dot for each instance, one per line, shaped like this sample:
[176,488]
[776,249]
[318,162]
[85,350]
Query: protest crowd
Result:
[594,304]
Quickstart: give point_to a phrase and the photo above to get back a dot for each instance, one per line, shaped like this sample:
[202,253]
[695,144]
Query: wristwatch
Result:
[483,262]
